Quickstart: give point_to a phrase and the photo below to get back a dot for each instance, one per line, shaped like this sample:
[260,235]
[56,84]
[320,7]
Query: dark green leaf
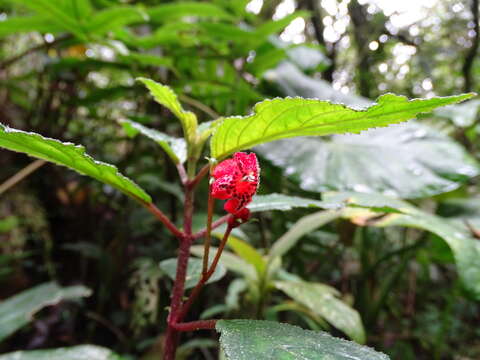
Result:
[286,202]
[267,340]
[408,161]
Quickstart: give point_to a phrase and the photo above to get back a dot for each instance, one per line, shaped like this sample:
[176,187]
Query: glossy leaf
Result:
[176,148]
[69,155]
[323,300]
[18,310]
[286,202]
[268,340]
[15,25]
[464,247]
[408,161]
[290,117]
[166,97]
[81,352]
[114,17]
[302,227]
[194,271]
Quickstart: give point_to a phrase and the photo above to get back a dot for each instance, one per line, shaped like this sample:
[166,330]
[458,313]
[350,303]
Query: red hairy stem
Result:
[164,219]
[208,235]
[196,290]
[172,337]
[196,325]
[203,171]
[215,224]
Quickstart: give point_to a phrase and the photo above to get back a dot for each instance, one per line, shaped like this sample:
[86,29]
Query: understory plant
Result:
[233,174]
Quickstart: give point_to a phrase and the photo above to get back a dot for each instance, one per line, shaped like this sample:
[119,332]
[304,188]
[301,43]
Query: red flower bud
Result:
[236,180]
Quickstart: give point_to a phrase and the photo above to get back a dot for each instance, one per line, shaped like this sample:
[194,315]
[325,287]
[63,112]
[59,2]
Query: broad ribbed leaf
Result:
[69,155]
[290,117]
[408,160]
[465,248]
[285,202]
[17,311]
[81,352]
[323,300]
[176,148]
[194,271]
[268,340]
[165,96]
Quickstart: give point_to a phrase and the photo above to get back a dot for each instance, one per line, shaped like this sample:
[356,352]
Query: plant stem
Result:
[203,171]
[206,248]
[196,325]
[172,337]
[196,290]
[22,174]
[164,219]
[182,173]
[215,224]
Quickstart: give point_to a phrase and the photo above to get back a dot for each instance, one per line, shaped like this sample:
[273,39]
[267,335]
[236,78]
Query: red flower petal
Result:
[223,187]
[226,167]
[232,206]
[247,162]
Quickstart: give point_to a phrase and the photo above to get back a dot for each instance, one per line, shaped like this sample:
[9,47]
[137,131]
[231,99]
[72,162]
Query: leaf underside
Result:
[69,155]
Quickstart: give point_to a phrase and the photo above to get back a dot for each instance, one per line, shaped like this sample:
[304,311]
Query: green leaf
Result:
[176,148]
[115,17]
[465,248]
[268,340]
[285,202]
[194,272]
[302,227]
[65,13]
[323,300]
[165,96]
[69,155]
[408,161]
[17,311]
[15,25]
[81,352]
[174,11]
[290,117]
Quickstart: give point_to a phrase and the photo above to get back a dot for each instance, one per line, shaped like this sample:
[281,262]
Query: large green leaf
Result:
[286,202]
[81,352]
[464,247]
[194,271]
[290,117]
[165,96]
[408,161]
[17,311]
[69,155]
[176,148]
[323,300]
[267,340]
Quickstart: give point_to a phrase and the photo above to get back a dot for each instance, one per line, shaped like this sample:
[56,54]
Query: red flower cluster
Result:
[236,180]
